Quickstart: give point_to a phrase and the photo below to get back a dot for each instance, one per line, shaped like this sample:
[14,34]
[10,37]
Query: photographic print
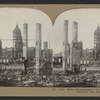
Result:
[35,52]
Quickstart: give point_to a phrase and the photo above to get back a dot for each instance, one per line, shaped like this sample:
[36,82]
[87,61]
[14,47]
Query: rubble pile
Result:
[17,77]
[83,79]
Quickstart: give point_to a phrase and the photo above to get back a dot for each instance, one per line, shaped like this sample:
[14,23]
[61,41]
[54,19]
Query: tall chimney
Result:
[25,40]
[38,46]
[75,31]
[65,45]
[71,55]
[74,39]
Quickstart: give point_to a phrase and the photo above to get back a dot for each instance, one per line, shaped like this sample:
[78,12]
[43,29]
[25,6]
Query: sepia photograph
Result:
[37,52]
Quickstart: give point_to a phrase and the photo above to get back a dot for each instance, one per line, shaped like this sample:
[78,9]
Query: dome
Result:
[17,31]
[97,31]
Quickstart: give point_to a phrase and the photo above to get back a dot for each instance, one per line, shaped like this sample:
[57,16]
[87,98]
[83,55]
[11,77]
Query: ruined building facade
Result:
[97,43]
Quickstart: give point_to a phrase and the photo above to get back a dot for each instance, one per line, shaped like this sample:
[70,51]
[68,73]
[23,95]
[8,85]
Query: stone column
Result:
[38,46]
[25,40]
[71,55]
[65,46]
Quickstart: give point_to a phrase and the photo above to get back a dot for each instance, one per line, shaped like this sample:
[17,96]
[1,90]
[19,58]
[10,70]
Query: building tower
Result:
[25,40]
[46,52]
[17,42]
[0,48]
[45,45]
[75,31]
[38,46]
[97,42]
[74,40]
[65,46]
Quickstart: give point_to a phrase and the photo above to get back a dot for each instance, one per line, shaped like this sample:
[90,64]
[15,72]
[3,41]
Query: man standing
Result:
[25,65]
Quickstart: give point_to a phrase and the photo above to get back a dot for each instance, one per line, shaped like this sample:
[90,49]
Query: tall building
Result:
[76,47]
[97,43]
[17,42]
[25,40]
[38,46]
[74,44]
[46,53]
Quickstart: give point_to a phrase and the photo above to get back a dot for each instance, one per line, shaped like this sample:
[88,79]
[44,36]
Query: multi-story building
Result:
[87,57]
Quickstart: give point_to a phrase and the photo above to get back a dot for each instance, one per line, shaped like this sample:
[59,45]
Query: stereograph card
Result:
[50,50]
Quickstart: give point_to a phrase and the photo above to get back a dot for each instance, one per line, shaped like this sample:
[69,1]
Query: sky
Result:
[9,17]
[88,20]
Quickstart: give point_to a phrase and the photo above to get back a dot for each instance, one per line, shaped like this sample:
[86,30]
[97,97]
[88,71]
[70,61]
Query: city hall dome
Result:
[97,31]
[17,31]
